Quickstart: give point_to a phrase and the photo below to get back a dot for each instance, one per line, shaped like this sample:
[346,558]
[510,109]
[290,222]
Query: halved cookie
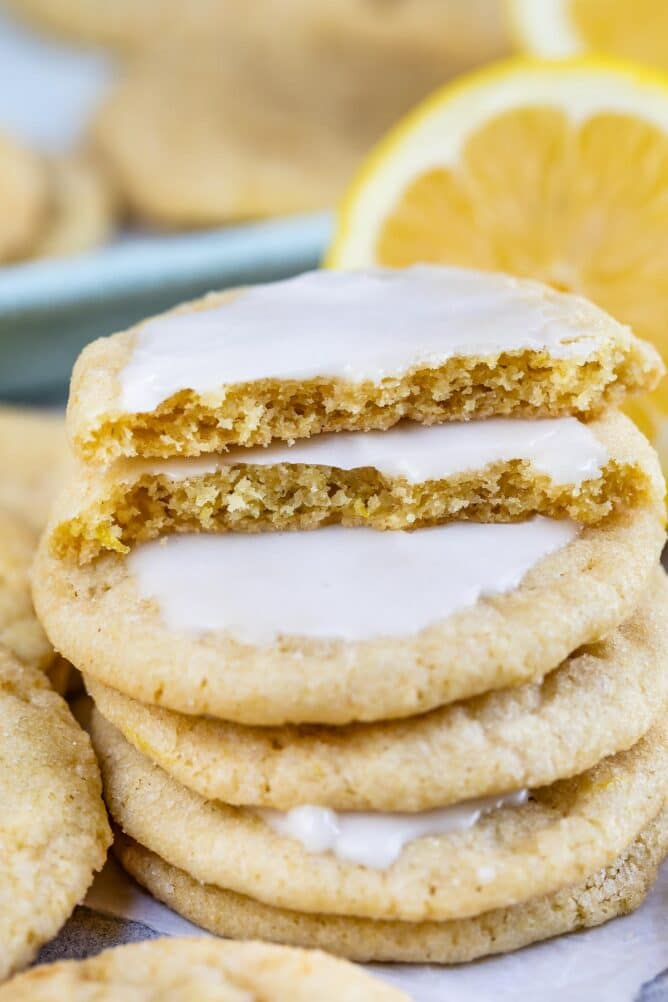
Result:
[355,351]
[408,477]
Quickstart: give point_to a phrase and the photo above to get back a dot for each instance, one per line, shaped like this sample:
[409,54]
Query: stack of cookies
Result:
[362,572]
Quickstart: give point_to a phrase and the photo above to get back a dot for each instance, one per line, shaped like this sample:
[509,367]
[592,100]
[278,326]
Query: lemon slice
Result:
[633,29]
[557,171]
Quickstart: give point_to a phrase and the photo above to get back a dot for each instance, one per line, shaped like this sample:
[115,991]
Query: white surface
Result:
[337,582]
[608,964]
[377,838]
[367,326]
[564,449]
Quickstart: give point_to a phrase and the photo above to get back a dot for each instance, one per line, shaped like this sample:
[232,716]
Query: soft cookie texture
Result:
[563,833]
[575,596]
[53,827]
[133,501]
[598,363]
[614,890]
[185,969]
[34,460]
[600,701]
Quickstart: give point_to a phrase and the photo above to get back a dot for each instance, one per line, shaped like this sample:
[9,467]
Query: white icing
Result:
[564,449]
[334,582]
[354,326]
[376,839]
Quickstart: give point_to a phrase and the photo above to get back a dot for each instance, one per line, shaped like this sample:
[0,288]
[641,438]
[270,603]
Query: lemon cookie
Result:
[406,477]
[343,624]
[53,830]
[20,630]
[449,863]
[614,890]
[601,700]
[198,968]
[33,460]
[23,199]
[81,210]
[357,351]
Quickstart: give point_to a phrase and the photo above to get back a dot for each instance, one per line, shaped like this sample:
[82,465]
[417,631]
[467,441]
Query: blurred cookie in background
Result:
[23,199]
[270,112]
[465,31]
[82,206]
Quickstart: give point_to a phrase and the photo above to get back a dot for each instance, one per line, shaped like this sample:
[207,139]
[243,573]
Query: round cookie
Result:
[20,630]
[280,119]
[53,826]
[615,890]
[33,459]
[564,832]
[573,597]
[600,701]
[23,199]
[201,968]
[82,207]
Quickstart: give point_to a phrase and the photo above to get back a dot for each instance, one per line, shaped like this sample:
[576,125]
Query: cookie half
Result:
[615,890]
[554,839]
[198,968]
[218,625]
[407,477]
[53,828]
[349,351]
[599,701]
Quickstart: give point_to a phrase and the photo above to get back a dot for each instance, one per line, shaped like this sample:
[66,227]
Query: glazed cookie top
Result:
[357,351]
[599,701]
[201,968]
[410,476]
[449,863]
[337,625]
[53,826]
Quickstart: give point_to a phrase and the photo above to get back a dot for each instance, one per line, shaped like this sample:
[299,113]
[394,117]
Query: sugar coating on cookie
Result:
[198,968]
[355,351]
[512,854]
[599,701]
[410,476]
[575,595]
[34,458]
[53,826]
[20,630]
[616,889]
